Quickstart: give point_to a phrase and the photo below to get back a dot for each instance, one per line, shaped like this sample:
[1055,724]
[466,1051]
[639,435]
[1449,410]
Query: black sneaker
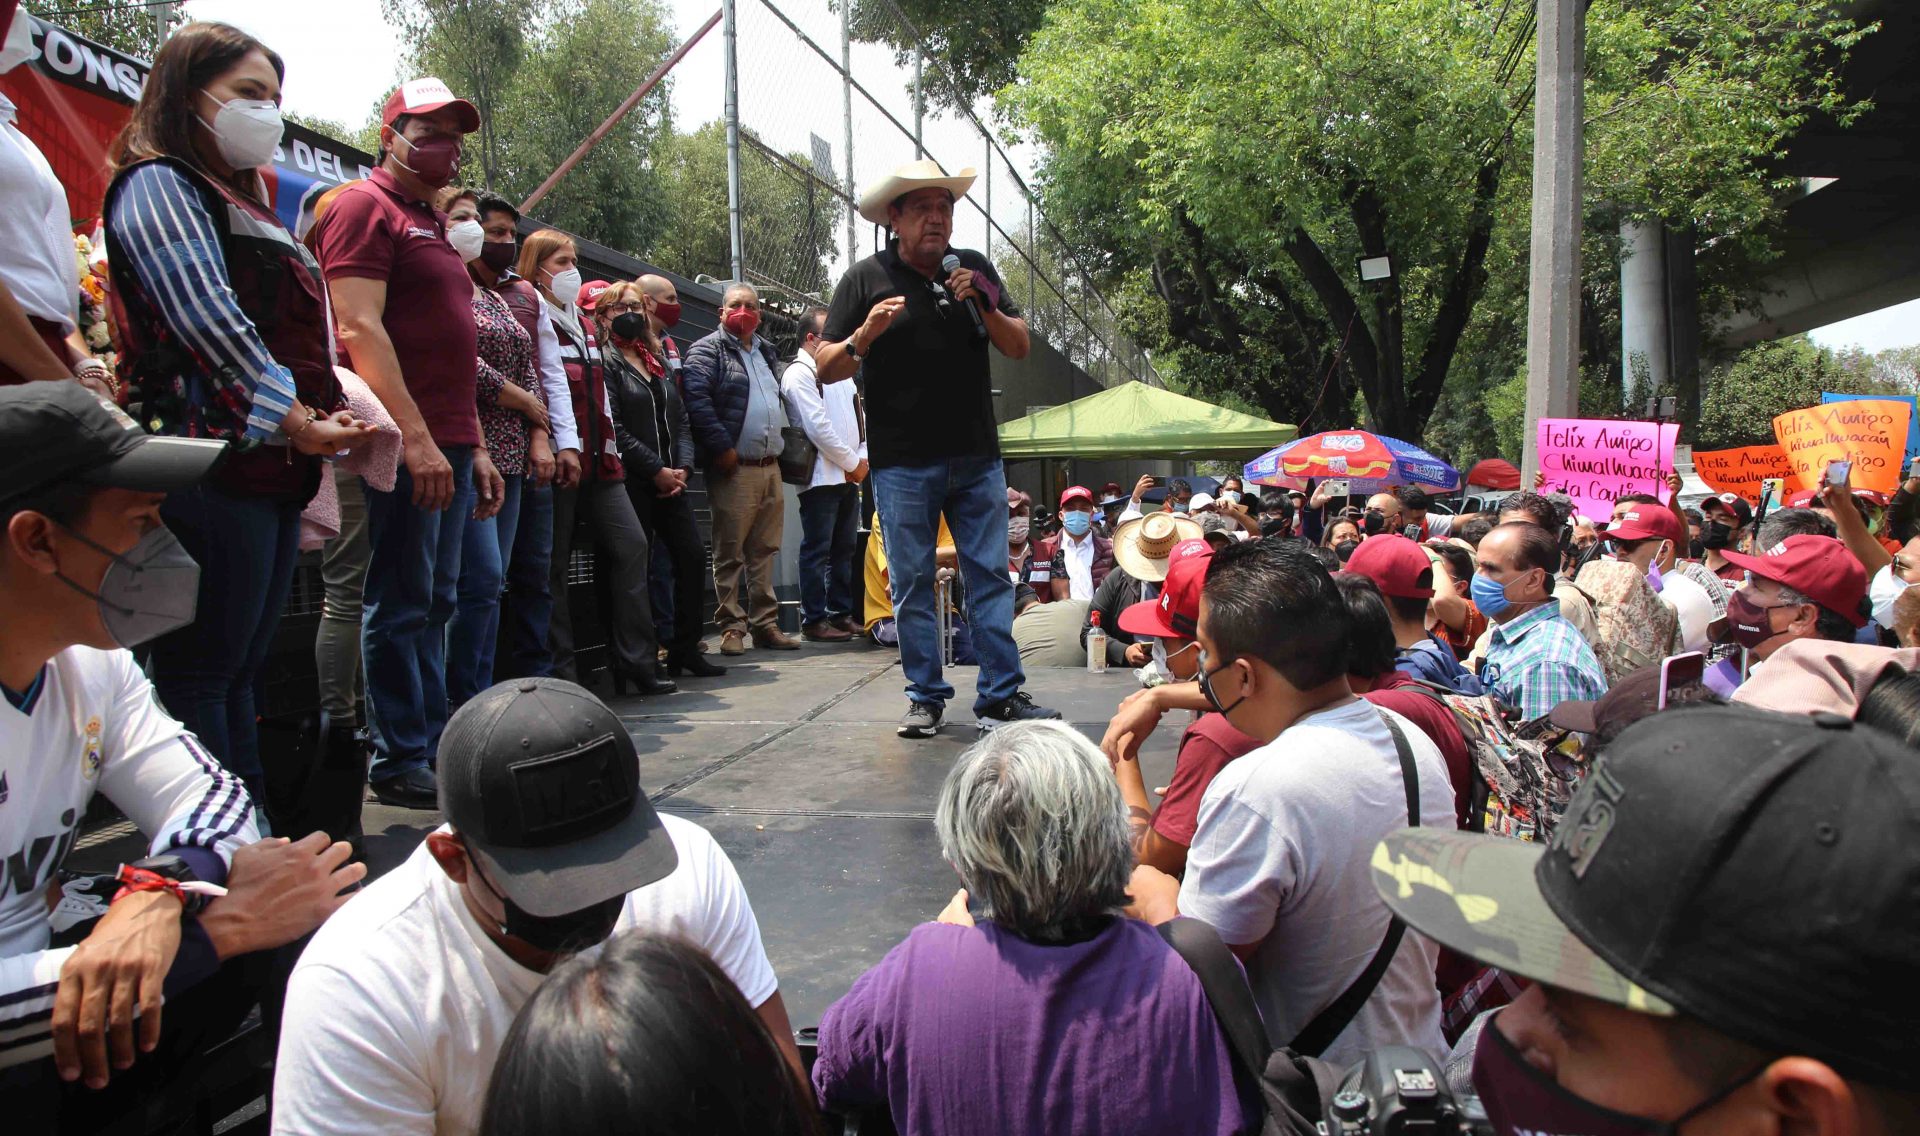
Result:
[922,720]
[1017,707]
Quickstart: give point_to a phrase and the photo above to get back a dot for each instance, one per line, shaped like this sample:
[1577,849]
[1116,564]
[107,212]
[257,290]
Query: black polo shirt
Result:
[929,395]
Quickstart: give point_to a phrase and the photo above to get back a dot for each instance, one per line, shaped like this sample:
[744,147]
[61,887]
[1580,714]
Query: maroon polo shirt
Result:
[1205,749]
[375,230]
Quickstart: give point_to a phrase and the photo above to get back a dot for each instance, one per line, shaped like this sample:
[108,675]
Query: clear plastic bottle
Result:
[1096,647]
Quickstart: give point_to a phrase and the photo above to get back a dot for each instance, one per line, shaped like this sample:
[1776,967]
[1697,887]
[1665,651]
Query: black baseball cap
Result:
[1755,871]
[542,782]
[56,431]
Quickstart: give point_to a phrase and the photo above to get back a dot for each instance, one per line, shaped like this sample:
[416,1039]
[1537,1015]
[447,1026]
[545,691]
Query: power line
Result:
[99,9]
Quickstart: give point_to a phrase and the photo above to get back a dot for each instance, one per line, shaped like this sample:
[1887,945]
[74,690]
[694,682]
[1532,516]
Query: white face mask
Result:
[1885,589]
[467,238]
[247,131]
[566,285]
[18,47]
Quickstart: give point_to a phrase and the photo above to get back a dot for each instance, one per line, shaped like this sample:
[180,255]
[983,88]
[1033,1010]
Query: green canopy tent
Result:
[1134,420]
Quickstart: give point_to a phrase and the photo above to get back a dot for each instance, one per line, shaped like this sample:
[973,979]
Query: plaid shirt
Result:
[1539,660]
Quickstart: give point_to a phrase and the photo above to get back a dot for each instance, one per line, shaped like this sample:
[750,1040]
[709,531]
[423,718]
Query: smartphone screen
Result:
[1411,532]
[1838,472]
[1680,671]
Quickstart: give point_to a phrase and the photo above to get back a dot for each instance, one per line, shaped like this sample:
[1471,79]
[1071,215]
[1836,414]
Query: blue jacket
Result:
[713,381]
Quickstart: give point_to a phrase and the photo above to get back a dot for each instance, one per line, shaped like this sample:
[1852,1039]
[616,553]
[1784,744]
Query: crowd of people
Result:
[1606,819]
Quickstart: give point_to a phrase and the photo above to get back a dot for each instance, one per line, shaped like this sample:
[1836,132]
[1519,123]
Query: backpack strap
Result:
[1226,988]
[1330,1022]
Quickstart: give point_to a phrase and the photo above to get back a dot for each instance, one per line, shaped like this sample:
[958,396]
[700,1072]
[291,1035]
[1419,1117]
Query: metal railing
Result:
[812,116]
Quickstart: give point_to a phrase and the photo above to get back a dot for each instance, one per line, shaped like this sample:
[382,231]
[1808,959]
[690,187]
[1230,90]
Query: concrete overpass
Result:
[1852,245]
[1851,242]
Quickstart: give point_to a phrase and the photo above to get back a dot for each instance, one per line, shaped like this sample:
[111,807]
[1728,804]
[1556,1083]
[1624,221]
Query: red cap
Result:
[1176,614]
[1395,564]
[1733,502]
[1800,498]
[1647,522]
[424,96]
[1818,567]
[590,293]
[1073,491]
[1186,548]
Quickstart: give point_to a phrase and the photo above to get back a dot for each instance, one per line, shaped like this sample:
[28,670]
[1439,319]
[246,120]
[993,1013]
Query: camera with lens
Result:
[1398,1091]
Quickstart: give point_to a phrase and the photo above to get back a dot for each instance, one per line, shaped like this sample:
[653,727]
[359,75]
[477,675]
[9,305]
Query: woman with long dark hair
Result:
[224,334]
[646,1036]
[656,444]
[550,262]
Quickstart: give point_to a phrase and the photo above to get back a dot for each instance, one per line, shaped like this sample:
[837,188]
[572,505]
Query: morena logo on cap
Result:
[1630,515]
[1777,550]
[418,92]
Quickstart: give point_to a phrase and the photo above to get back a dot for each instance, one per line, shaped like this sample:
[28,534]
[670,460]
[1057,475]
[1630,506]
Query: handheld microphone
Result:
[951,264]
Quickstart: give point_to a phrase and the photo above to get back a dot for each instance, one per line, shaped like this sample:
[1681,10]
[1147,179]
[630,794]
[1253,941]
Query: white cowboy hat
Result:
[1143,545]
[923,174]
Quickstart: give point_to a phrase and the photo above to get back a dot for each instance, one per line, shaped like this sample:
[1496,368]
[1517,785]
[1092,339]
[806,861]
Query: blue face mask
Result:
[1179,506]
[1076,523]
[1489,595]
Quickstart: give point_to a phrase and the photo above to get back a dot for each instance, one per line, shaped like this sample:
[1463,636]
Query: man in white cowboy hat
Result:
[918,316]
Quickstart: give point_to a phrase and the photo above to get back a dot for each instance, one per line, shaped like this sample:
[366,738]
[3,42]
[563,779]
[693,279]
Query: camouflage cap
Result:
[1755,871]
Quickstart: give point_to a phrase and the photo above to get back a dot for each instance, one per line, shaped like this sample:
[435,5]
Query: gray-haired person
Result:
[1053,992]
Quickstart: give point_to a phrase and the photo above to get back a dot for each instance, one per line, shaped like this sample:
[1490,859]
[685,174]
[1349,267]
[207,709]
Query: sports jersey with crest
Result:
[89,724]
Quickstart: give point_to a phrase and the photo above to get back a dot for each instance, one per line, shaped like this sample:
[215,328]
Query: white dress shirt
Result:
[564,433]
[1078,555]
[37,258]
[830,418]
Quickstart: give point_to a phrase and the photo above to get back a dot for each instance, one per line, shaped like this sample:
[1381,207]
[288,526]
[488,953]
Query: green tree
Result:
[1235,161]
[476,46]
[123,28]
[976,44]
[1769,379]
[789,221]
[544,74]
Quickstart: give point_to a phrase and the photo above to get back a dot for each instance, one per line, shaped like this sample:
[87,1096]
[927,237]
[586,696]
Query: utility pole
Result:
[1553,285]
[846,115]
[163,21]
[919,103]
[738,258]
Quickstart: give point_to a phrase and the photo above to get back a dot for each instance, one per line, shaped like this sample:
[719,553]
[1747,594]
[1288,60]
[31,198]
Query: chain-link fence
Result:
[821,114]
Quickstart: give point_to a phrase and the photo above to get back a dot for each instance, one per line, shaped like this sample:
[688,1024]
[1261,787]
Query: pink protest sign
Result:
[1595,461]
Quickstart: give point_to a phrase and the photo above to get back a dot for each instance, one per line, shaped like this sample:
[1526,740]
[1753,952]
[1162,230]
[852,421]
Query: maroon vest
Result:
[173,389]
[587,382]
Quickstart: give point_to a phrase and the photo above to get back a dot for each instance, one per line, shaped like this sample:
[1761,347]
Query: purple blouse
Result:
[971,1030]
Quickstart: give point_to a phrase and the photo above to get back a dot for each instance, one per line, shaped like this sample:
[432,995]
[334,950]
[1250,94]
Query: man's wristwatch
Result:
[853,349]
[164,873]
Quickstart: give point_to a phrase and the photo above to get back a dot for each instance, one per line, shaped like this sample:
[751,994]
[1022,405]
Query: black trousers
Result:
[603,509]
[669,522]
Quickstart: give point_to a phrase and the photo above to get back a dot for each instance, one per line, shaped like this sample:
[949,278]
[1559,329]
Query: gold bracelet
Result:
[312,416]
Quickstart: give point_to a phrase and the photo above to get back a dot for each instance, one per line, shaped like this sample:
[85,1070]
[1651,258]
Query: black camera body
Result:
[1398,1091]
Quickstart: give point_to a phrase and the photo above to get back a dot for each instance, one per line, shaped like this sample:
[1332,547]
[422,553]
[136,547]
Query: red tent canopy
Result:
[1494,474]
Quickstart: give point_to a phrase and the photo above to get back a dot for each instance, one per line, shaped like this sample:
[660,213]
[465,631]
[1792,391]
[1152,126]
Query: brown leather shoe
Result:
[733,643]
[771,639]
[824,632]
[848,624]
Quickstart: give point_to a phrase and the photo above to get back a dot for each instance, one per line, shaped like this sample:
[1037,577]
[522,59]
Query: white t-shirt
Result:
[400,1004]
[36,243]
[88,724]
[1282,857]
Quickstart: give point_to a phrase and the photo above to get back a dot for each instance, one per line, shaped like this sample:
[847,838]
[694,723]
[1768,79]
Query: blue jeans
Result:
[529,602]
[411,590]
[829,533]
[972,492]
[486,547]
[204,672]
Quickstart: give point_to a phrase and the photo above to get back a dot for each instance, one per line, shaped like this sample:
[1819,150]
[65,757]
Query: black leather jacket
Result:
[642,448]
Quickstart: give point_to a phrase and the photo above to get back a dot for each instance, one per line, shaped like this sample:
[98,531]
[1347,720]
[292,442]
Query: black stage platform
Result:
[792,763]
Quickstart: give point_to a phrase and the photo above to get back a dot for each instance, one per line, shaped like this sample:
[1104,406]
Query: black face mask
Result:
[1713,534]
[1345,550]
[630,326]
[556,934]
[1695,549]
